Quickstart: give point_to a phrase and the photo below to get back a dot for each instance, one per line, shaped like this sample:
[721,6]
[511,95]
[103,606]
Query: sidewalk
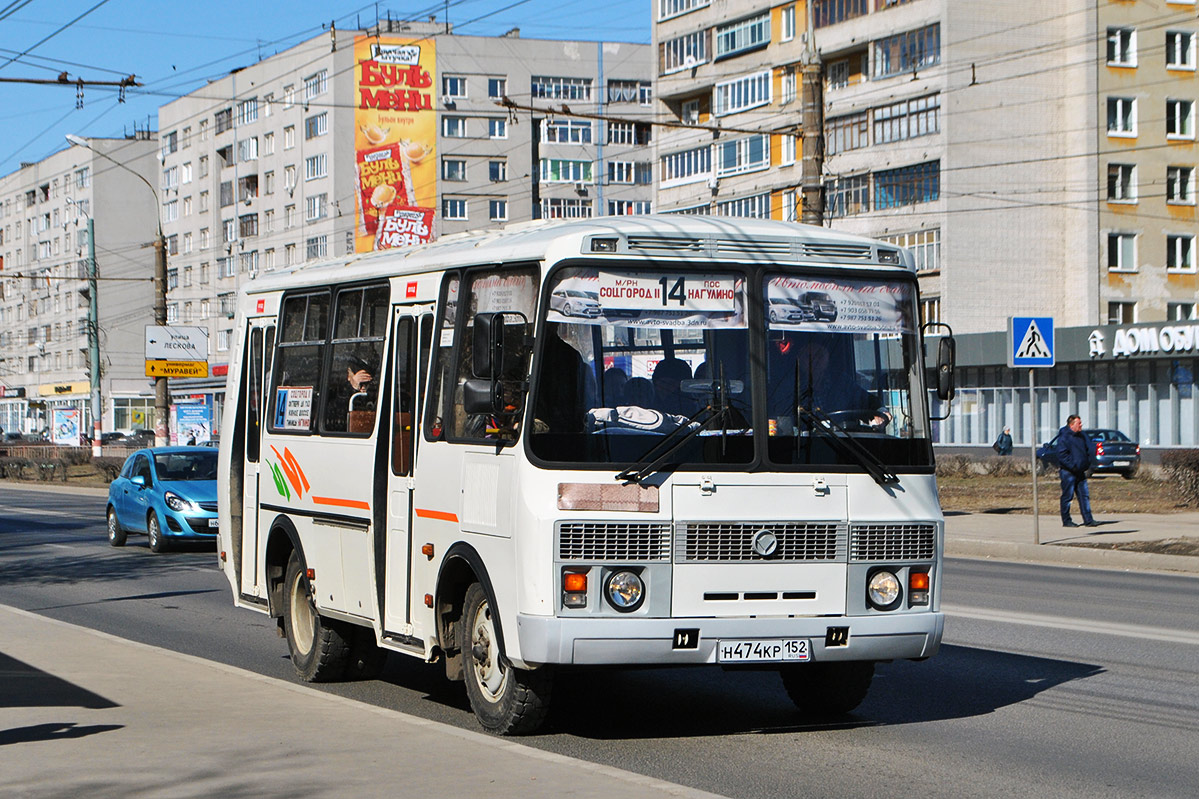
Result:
[1003,536]
[88,714]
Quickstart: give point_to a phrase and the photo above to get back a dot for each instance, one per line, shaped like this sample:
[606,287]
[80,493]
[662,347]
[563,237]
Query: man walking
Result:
[1073,458]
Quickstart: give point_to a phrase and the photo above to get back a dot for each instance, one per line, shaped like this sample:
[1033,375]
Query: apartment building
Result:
[361,140]
[44,292]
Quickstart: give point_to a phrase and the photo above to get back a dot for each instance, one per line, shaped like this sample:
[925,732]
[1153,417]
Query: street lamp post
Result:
[93,334]
[162,404]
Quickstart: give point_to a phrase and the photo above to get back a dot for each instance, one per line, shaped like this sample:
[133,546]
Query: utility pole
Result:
[162,392]
[812,98]
[93,338]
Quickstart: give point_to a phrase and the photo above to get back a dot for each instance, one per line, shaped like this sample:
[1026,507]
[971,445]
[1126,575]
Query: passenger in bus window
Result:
[667,377]
[356,395]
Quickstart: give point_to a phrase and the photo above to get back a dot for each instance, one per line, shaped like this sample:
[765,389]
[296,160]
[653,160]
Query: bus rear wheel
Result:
[505,699]
[319,647]
[828,689]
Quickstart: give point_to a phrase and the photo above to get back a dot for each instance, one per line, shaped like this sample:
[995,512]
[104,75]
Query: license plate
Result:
[1120,463]
[214,522]
[756,650]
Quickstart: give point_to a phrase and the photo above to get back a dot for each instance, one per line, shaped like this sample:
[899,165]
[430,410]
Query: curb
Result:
[1079,557]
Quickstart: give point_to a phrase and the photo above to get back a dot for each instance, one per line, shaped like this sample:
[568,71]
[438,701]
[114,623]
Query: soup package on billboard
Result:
[402,225]
[384,179]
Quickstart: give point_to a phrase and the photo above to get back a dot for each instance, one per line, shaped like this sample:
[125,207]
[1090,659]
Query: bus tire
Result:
[366,658]
[506,700]
[828,689]
[319,647]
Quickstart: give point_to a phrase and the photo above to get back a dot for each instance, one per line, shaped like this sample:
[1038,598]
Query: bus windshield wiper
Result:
[671,443]
[847,445]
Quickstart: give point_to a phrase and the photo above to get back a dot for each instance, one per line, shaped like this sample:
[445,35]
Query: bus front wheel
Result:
[828,689]
[505,699]
[319,647]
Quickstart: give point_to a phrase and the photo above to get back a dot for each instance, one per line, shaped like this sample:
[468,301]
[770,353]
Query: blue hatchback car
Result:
[167,493]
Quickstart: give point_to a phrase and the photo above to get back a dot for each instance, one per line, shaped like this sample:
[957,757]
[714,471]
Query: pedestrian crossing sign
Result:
[1030,341]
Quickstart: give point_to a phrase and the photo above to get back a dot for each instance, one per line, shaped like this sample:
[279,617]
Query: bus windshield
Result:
[631,356]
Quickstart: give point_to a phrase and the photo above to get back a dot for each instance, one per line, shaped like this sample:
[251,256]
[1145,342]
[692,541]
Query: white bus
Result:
[657,440]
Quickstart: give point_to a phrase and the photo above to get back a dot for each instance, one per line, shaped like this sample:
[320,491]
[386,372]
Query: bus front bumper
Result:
[645,641]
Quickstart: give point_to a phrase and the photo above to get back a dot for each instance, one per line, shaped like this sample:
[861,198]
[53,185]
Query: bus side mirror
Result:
[487,356]
[946,353]
[480,395]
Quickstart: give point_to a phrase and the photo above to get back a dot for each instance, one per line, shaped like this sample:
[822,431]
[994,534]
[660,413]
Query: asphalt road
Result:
[1054,682]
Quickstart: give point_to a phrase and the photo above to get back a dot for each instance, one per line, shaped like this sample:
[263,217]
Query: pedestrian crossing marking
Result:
[1033,343]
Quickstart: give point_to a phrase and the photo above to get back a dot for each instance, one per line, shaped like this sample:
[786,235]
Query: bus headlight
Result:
[625,591]
[882,589]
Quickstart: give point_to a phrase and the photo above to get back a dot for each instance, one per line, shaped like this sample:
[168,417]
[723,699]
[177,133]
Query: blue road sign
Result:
[1030,341]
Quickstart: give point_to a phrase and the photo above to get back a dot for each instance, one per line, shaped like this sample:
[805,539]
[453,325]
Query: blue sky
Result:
[174,47]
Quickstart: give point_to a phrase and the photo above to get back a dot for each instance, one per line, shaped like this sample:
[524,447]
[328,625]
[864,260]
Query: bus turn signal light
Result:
[574,589]
[427,551]
[918,583]
[575,582]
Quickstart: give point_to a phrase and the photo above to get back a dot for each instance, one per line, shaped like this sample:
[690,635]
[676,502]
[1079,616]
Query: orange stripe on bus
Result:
[341,503]
[444,516]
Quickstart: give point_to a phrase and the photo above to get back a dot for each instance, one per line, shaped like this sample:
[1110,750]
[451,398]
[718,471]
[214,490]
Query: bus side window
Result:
[404,388]
[439,385]
[300,358]
[356,357]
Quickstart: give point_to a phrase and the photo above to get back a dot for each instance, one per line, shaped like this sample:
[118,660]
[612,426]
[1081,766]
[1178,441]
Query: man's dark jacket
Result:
[1073,451]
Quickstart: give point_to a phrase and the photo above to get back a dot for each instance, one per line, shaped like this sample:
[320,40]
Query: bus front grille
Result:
[613,541]
[730,542]
[872,542]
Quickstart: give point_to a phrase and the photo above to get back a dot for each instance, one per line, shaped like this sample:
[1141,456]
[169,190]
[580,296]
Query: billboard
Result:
[395,142]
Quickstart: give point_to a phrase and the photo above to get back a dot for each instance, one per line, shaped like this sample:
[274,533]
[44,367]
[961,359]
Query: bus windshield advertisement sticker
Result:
[293,408]
[648,299]
[507,292]
[839,306]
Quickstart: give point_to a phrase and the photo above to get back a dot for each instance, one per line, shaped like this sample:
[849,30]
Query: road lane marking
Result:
[1076,625]
[32,511]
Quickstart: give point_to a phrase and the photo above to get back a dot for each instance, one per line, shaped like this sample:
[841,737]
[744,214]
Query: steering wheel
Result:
[859,421]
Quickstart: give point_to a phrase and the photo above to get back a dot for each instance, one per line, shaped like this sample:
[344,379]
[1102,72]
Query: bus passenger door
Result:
[412,336]
[259,348]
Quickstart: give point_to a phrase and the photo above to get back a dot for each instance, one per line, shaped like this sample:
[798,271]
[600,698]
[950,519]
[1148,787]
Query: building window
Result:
[203,166]
[453,127]
[566,131]
[268,182]
[925,246]
[1180,253]
[830,12]
[289,137]
[1122,252]
[738,156]
[627,91]
[497,171]
[1121,47]
[909,185]
[787,23]
[629,172]
[1180,119]
[684,52]
[930,310]
[558,170]
[83,178]
[453,208]
[755,207]
[289,254]
[170,211]
[247,111]
[565,208]
[846,133]
[316,125]
[170,143]
[173,312]
[673,8]
[497,128]
[316,247]
[907,52]
[247,149]
[172,279]
[289,177]
[553,88]
[497,88]
[268,144]
[1121,183]
[685,167]
[228,230]
[453,169]
[1180,50]
[743,35]
[1121,313]
[787,85]
[741,94]
[316,166]
[315,85]
[289,217]
[1180,183]
[1121,116]
[497,210]
[848,195]
[629,207]
[908,119]
[628,133]
[170,177]
[1180,311]
[315,207]
[453,87]
[689,112]
[223,119]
